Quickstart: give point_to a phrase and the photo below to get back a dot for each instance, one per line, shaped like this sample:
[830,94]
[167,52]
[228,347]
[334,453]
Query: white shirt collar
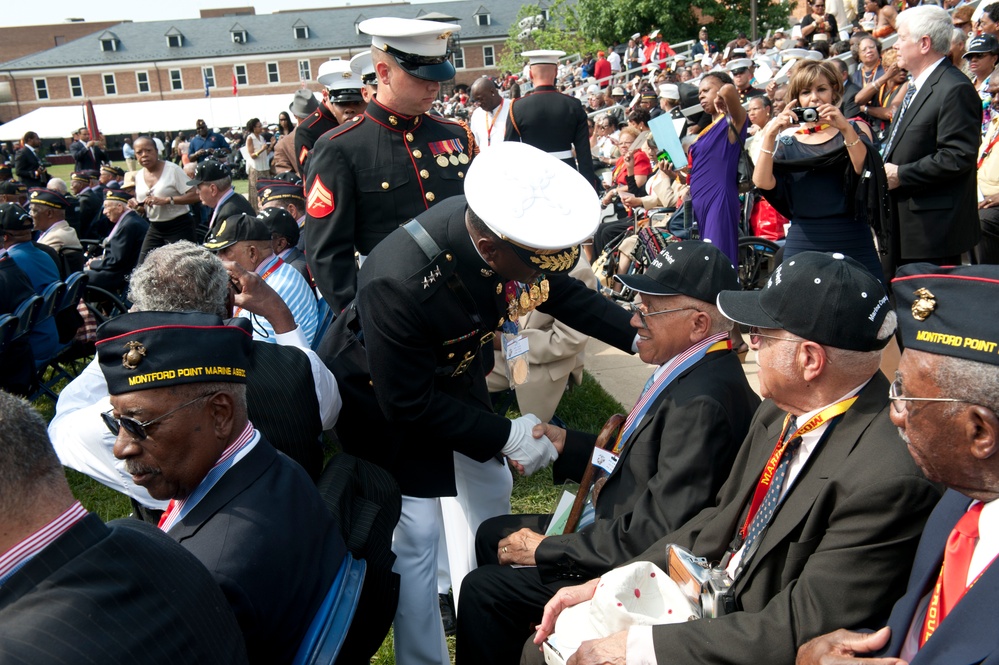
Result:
[920,80]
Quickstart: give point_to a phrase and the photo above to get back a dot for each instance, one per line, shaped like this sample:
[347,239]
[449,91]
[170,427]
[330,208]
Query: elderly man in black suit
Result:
[213,180]
[121,248]
[932,147]
[675,452]
[246,511]
[74,590]
[816,527]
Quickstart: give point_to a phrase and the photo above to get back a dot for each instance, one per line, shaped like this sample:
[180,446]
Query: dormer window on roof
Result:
[482,16]
[357,23]
[109,41]
[238,34]
[301,29]
[174,37]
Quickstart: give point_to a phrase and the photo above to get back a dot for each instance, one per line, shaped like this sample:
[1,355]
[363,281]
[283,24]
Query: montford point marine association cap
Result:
[145,350]
[420,47]
[273,189]
[47,197]
[343,84]
[830,299]
[940,310]
[691,268]
[544,209]
[542,57]
[118,195]
[236,229]
[84,176]
[362,65]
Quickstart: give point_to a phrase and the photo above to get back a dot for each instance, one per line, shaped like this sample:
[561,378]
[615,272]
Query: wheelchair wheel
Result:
[756,262]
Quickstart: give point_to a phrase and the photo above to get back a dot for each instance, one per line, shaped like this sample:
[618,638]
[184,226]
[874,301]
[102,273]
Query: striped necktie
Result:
[772,498]
[910,93]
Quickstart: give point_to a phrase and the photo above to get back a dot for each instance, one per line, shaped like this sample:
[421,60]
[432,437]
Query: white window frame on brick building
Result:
[176,79]
[41,89]
[459,58]
[208,76]
[75,86]
[110,84]
[142,80]
[304,70]
[273,72]
[489,56]
[241,76]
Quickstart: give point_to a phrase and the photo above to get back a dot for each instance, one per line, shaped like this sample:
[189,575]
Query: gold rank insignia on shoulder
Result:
[432,277]
[131,358]
[923,305]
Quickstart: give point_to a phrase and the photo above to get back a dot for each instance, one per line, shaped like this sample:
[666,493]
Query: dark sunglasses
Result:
[134,427]
[740,71]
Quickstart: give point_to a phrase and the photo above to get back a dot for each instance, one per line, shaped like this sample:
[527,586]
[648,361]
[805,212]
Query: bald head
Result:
[485,92]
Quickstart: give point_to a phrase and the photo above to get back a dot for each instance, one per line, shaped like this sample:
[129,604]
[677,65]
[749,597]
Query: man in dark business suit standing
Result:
[74,590]
[932,147]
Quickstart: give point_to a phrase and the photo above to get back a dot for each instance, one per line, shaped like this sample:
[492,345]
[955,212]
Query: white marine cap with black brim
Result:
[420,47]
[342,83]
[542,57]
[544,208]
[362,65]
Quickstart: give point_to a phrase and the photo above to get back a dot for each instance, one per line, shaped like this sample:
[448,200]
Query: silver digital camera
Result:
[708,587]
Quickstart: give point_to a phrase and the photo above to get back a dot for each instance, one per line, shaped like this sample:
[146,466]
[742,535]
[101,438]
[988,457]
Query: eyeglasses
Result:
[644,313]
[898,401]
[134,427]
[755,336]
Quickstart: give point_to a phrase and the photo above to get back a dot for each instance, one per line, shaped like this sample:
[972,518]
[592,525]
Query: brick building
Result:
[256,54]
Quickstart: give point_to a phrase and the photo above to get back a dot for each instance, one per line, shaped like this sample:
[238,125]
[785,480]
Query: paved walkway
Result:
[623,375]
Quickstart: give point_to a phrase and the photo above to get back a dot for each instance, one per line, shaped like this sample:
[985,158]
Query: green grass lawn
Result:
[65,170]
[585,407]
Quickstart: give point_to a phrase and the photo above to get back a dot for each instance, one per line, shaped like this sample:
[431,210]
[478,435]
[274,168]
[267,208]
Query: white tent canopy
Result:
[53,122]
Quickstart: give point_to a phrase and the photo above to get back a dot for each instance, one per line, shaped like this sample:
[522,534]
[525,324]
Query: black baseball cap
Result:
[984,43]
[279,222]
[830,299]
[14,218]
[208,171]
[236,229]
[691,268]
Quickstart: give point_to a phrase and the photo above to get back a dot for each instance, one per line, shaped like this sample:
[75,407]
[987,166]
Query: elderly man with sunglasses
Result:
[251,515]
[675,451]
[817,525]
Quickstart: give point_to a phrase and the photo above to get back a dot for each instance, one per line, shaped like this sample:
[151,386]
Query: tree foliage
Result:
[562,31]
[616,20]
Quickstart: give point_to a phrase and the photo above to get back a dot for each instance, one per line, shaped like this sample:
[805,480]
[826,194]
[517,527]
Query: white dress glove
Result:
[523,448]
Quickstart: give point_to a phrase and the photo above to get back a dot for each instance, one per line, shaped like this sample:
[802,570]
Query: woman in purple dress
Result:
[714,163]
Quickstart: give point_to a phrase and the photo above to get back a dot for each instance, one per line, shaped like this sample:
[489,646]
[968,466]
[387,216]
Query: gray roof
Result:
[329,29]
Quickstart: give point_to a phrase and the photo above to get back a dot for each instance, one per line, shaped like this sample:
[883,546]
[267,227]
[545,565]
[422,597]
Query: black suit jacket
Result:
[17,365]
[88,159]
[117,593]
[967,635]
[269,541]
[26,168]
[849,106]
[233,205]
[297,260]
[121,255]
[415,338]
[936,150]
[90,216]
[671,467]
[837,552]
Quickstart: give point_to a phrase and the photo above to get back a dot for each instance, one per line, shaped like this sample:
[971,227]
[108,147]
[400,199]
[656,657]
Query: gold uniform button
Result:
[430,196]
[417,154]
[424,174]
[448,256]
[499,288]
[410,137]
[385,185]
[450,355]
[460,174]
[393,120]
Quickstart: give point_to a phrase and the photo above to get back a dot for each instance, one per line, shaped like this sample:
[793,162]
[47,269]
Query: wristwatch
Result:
[171,200]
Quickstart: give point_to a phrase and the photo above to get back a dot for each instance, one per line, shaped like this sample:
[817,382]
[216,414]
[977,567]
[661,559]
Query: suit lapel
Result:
[916,104]
[835,447]
[240,476]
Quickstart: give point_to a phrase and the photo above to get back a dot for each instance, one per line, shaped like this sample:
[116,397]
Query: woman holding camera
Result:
[811,167]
